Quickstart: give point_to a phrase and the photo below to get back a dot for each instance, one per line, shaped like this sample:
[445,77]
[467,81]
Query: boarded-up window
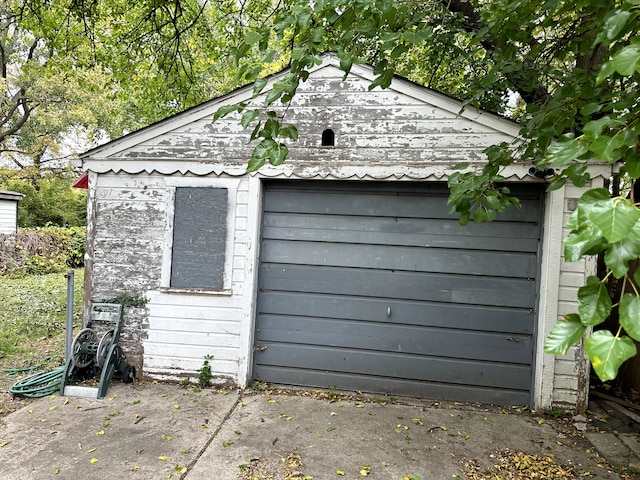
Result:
[199,237]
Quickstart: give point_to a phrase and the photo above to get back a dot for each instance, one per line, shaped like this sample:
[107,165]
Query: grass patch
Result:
[33,317]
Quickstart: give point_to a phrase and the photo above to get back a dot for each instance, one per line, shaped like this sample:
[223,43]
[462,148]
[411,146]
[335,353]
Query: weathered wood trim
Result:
[252,252]
[548,296]
[90,240]
[167,244]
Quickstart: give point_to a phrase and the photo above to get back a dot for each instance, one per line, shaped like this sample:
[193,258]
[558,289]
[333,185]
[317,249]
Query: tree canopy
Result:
[73,74]
[567,71]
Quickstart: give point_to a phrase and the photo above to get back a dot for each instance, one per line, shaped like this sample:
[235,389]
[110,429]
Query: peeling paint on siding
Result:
[404,133]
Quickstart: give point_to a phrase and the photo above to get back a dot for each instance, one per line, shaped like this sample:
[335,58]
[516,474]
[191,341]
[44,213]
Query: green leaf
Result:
[383,80]
[304,18]
[290,131]
[614,24]
[248,117]
[346,62]
[461,166]
[278,154]
[629,311]
[565,333]
[565,150]
[590,109]
[632,165]
[271,128]
[273,95]
[593,196]
[223,111]
[492,201]
[260,154]
[614,217]
[252,37]
[619,254]
[255,132]
[607,353]
[594,128]
[625,62]
[594,303]
[464,218]
[578,174]
[607,149]
[317,34]
[556,183]
[606,70]
[587,240]
[258,86]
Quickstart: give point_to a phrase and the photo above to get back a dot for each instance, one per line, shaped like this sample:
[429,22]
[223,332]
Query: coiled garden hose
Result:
[40,384]
[15,372]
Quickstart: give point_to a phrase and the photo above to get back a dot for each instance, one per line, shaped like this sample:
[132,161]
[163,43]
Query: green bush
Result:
[42,250]
[49,198]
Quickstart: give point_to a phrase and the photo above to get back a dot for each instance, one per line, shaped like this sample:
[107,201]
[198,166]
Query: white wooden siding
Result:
[370,127]
[570,385]
[8,216]
[178,328]
[185,327]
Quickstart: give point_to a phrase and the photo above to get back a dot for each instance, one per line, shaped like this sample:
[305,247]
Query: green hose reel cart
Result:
[95,351]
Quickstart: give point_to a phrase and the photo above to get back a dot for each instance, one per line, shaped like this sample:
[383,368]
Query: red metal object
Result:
[82,181]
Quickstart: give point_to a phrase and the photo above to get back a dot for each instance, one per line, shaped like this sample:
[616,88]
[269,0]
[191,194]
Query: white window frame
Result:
[199,182]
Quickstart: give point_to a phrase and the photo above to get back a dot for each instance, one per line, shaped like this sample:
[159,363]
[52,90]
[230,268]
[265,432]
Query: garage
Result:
[373,286]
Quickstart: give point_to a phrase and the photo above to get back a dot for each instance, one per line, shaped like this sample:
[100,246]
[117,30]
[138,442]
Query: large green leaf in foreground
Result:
[567,331]
[607,353]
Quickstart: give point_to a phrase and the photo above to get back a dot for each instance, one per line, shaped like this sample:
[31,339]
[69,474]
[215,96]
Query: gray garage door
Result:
[374,287]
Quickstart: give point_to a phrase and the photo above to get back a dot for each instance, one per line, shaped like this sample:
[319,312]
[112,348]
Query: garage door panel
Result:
[377,204]
[503,236]
[387,337]
[412,388]
[398,365]
[399,285]
[502,319]
[375,287]
[393,257]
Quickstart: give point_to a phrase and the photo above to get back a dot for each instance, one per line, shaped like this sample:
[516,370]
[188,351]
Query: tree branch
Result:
[21,101]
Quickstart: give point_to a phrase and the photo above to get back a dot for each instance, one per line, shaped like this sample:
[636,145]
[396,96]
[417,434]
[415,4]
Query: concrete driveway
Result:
[155,431]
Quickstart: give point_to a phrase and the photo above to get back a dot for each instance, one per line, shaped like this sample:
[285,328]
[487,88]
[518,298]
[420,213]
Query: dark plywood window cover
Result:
[199,237]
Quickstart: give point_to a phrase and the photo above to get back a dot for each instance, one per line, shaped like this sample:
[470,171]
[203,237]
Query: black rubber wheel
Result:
[129,374]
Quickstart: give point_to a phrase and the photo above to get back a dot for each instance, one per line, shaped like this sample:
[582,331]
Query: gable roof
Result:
[143,150]
[245,94]
[7,195]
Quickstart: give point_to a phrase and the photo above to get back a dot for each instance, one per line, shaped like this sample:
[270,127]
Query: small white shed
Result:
[9,211]
[341,267]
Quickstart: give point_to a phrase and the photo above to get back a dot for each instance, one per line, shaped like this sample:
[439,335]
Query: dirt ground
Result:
[51,348]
